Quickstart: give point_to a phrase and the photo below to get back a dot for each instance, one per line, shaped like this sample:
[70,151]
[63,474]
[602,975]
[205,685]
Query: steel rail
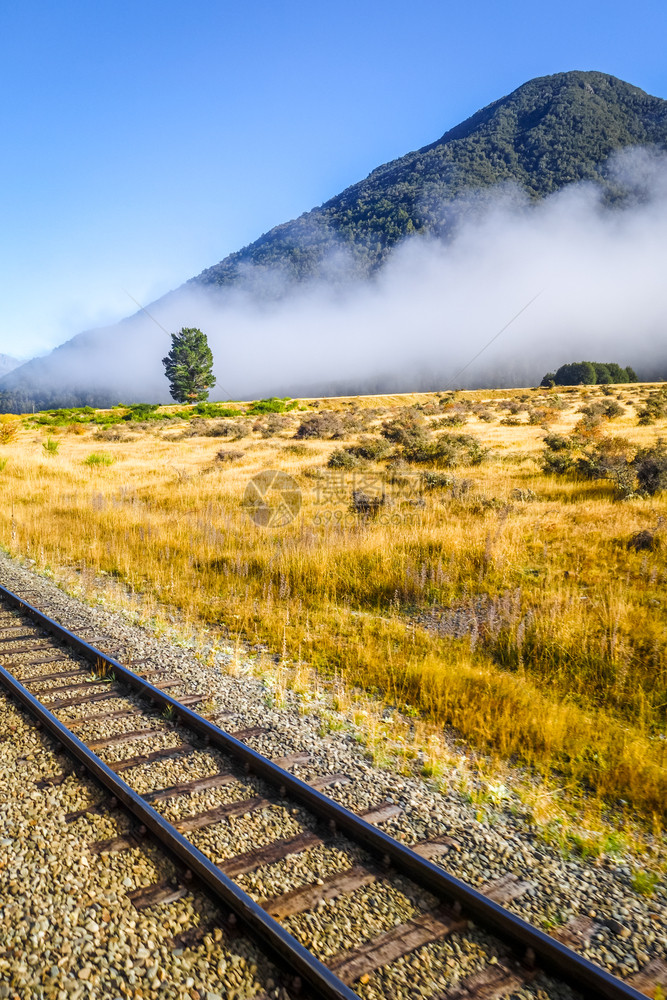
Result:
[269,931]
[527,941]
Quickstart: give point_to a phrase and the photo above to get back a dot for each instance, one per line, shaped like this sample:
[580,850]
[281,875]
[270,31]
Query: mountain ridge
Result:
[447,170]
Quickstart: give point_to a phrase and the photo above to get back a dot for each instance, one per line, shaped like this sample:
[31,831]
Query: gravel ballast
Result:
[68,929]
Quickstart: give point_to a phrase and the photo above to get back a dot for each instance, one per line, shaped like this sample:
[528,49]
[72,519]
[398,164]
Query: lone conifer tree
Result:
[189,366]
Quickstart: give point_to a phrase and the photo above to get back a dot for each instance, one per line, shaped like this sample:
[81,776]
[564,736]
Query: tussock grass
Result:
[504,602]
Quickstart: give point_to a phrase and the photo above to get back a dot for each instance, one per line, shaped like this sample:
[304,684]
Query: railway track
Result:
[97,709]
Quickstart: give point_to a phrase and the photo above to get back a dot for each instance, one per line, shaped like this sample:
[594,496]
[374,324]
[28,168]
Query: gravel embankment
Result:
[68,929]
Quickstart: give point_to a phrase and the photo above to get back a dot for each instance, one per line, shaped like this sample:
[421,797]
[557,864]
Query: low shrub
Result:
[272,405]
[557,462]
[436,480]
[610,459]
[482,413]
[365,506]
[271,425]
[321,425]
[643,541]
[66,415]
[51,446]
[229,456]
[446,451]
[655,407]
[8,431]
[650,467]
[600,408]
[613,410]
[98,458]
[454,420]
[233,429]
[407,429]
[341,458]
[373,449]
[141,412]
[113,433]
[558,442]
[107,419]
[212,410]
[523,495]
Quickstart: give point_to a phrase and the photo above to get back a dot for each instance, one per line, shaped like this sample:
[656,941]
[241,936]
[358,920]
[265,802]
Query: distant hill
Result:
[548,133]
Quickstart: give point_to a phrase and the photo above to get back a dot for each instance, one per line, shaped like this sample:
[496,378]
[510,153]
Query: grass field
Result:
[466,583]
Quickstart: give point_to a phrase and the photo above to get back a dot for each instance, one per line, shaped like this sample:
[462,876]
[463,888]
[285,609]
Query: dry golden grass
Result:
[553,652]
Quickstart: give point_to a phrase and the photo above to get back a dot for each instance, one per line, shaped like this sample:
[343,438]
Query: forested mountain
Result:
[550,132]
[547,134]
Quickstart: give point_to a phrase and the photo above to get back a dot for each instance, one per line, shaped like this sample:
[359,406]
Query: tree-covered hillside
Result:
[550,132]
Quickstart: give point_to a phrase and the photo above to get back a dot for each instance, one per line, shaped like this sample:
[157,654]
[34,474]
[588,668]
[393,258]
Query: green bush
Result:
[557,458]
[272,405]
[558,442]
[213,410]
[107,419]
[51,446]
[142,412]
[66,415]
[557,463]
[98,458]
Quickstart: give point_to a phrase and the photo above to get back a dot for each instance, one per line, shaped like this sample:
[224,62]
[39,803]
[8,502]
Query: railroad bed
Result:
[172,776]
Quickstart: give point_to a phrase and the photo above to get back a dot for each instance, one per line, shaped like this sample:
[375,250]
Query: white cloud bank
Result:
[601,273]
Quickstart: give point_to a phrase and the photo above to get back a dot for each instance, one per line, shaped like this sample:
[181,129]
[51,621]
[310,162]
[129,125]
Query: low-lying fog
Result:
[601,275]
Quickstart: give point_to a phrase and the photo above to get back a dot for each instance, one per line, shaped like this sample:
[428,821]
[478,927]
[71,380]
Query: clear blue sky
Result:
[144,141]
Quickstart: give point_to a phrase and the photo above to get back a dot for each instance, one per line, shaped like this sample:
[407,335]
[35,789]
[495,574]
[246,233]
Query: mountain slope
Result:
[7,364]
[548,133]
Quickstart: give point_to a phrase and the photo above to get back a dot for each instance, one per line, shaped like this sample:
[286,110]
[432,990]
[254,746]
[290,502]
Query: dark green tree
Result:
[576,373]
[189,366]
[603,374]
[618,374]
